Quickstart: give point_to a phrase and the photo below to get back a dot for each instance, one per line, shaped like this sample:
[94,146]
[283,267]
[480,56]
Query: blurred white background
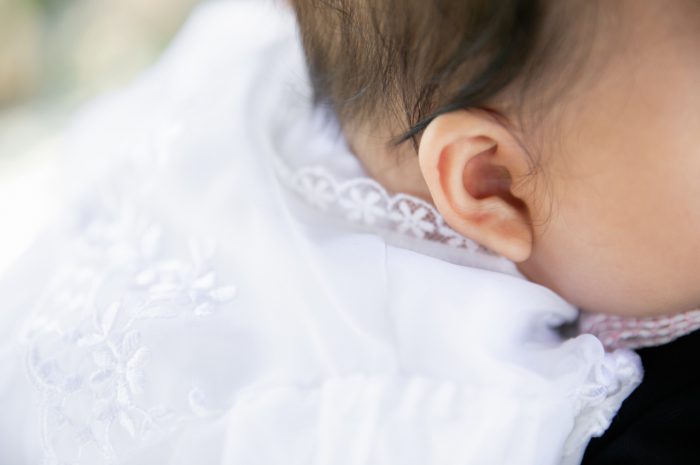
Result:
[55,55]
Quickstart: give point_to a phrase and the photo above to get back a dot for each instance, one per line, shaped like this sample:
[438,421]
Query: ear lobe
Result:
[468,161]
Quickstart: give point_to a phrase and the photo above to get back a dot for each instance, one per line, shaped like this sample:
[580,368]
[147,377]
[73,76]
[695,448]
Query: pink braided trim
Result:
[617,332]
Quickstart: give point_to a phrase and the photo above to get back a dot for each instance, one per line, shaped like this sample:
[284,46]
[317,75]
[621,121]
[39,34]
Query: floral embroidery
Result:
[363,207]
[412,220]
[317,192]
[455,240]
[364,201]
[85,349]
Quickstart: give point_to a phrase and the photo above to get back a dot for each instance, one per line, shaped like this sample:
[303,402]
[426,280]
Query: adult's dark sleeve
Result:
[659,423]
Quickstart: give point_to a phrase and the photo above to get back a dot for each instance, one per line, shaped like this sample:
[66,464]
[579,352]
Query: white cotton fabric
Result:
[202,302]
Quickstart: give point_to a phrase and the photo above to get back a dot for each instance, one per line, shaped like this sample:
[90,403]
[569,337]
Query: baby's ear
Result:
[469,161]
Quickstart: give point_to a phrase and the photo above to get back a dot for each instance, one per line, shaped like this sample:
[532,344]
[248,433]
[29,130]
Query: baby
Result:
[188,307]
[559,134]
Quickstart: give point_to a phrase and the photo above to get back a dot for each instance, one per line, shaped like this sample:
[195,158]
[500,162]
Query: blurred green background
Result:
[56,53]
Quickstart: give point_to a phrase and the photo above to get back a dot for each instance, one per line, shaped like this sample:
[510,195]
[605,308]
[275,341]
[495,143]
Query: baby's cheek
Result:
[623,235]
[622,245]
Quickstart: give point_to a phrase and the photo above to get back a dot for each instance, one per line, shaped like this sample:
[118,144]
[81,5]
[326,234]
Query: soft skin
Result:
[610,217]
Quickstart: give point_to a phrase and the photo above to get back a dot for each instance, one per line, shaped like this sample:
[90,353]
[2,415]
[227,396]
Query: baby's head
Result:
[562,134]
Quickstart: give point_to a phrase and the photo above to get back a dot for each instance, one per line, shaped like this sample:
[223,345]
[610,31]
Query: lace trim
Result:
[634,333]
[364,201]
[601,396]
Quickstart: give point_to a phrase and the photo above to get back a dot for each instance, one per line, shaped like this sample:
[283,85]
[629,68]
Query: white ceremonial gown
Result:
[225,286]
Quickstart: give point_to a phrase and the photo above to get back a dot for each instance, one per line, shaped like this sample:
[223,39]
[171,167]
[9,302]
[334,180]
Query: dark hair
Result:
[417,59]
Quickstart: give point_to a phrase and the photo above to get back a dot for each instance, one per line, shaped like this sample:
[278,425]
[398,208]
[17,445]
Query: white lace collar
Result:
[313,161]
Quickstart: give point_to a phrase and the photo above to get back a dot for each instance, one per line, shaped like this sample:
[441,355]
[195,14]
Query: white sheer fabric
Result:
[206,300]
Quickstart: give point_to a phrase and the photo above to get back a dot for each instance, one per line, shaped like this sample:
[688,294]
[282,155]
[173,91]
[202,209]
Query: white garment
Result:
[195,308]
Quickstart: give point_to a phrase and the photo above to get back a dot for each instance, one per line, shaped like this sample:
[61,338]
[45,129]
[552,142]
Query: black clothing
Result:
[659,423]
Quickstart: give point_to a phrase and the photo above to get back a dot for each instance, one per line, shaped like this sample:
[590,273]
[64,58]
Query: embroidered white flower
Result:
[173,285]
[454,239]
[363,207]
[363,200]
[413,221]
[318,192]
[118,377]
[84,345]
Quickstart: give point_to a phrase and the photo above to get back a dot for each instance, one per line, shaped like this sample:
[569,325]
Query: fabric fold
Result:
[191,308]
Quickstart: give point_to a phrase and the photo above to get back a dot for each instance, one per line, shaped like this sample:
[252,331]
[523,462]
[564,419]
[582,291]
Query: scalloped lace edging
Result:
[364,201]
[608,384]
[634,333]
